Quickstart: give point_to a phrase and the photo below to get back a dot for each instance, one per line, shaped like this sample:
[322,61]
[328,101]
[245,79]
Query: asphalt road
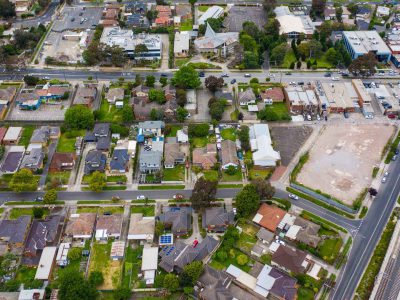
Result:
[368,235]
[46,17]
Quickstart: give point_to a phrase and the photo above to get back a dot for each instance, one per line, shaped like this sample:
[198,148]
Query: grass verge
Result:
[161,187]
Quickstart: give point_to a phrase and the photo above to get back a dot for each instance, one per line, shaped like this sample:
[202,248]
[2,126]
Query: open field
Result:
[341,161]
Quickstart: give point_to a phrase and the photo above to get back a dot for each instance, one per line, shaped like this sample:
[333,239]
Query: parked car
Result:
[384,179]
[140,197]
[39,199]
[293,196]
[201,74]
[300,83]
[224,75]
[107,213]
[394,157]
[233,81]
[386,174]
[396,152]
[346,114]
[327,74]
[195,243]
[288,73]
[178,197]
[247,75]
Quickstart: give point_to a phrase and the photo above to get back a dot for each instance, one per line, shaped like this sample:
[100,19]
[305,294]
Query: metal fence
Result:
[323,198]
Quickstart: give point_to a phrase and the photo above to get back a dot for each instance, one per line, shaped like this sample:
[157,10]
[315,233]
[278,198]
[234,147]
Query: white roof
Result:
[46,263]
[16,149]
[261,145]
[293,231]
[12,133]
[264,280]
[63,251]
[149,276]
[314,270]
[157,146]
[28,294]
[257,218]
[181,42]
[383,10]
[273,247]
[234,271]
[288,219]
[213,12]
[363,42]
[149,258]
[34,146]
[252,108]
[101,234]
[182,136]
[290,23]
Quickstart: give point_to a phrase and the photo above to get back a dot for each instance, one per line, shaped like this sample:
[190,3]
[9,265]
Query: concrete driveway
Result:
[196,230]
[81,169]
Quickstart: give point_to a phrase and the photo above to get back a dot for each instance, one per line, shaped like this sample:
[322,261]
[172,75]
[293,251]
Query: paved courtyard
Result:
[341,161]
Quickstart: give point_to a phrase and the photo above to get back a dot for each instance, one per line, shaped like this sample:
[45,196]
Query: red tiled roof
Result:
[271,216]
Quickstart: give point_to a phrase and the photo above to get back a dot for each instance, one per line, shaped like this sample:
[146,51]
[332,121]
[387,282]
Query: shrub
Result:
[242,259]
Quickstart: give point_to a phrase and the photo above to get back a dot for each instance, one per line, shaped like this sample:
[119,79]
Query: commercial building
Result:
[127,40]
[213,12]
[340,96]
[359,43]
[293,25]
[301,99]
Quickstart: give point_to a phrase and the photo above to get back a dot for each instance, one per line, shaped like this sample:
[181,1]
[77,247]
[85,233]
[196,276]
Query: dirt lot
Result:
[239,14]
[288,140]
[342,159]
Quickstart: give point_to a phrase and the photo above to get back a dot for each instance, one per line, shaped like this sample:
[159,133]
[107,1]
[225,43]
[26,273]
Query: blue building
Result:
[359,43]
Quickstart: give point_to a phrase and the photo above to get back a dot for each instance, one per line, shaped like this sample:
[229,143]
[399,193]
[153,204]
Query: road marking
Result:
[369,241]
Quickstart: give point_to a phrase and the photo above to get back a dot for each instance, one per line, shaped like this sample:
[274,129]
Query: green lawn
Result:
[210,175]
[132,266]
[109,113]
[280,109]
[25,211]
[147,211]
[173,129]
[1,210]
[305,294]
[67,141]
[160,187]
[229,134]
[186,25]
[111,209]
[62,177]
[254,174]
[198,142]
[246,241]
[116,178]
[100,257]
[231,260]
[179,62]
[235,177]
[26,135]
[174,174]
[87,209]
[322,63]
[289,58]
[203,65]
[25,274]
[329,249]
[203,8]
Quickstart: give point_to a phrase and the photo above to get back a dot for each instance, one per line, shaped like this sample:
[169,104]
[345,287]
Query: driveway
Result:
[195,229]
[81,170]
[52,148]
[165,52]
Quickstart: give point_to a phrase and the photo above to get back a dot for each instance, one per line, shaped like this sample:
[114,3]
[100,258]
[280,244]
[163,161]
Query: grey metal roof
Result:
[95,161]
[33,160]
[180,220]
[149,158]
[217,216]
[148,125]
[12,162]
[119,159]
[103,143]
[265,235]
[101,129]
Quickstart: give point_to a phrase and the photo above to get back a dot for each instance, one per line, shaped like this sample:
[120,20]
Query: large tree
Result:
[23,181]
[122,293]
[97,181]
[157,96]
[264,189]
[50,196]
[244,137]
[191,273]
[72,286]
[364,65]
[79,117]
[186,78]
[7,9]
[181,114]
[247,201]
[171,282]
[278,54]
[217,109]
[203,193]
[214,83]
[318,6]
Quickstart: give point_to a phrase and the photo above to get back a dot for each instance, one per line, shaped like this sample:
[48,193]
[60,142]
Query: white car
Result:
[293,196]
[386,174]
[292,83]
[384,179]
[335,78]
[140,197]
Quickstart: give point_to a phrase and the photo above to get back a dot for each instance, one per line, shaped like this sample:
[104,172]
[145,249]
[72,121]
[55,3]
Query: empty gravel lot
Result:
[342,159]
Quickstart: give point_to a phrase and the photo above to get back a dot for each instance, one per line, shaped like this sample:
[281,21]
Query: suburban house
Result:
[149,264]
[269,216]
[228,154]
[205,157]
[117,250]
[141,228]
[42,135]
[177,256]
[275,94]
[150,161]
[12,136]
[119,161]
[177,219]
[223,42]
[108,226]
[95,160]
[81,226]
[329,13]
[33,161]
[43,233]
[85,96]
[217,219]
[269,282]
[15,232]
[304,231]
[173,155]
[184,11]
[46,263]
[291,259]
[13,159]
[7,94]
[62,162]
[115,94]
[265,236]
[141,91]
[149,129]
[3,131]
[382,11]
[164,15]
[247,97]
[261,145]
[181,44]
[363,12]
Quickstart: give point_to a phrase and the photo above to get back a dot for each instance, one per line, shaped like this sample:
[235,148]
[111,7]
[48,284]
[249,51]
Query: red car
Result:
[392,116]
[195,243]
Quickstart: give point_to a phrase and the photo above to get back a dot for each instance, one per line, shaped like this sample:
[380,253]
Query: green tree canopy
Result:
[193,271]
[72,286]
[264,189]
[23,181]
[247,201]
[203,193]
[96,278]
[181,114]
[157,96]
[50,196]
[187,78]
[97,181]
[79,117]
[171,282]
